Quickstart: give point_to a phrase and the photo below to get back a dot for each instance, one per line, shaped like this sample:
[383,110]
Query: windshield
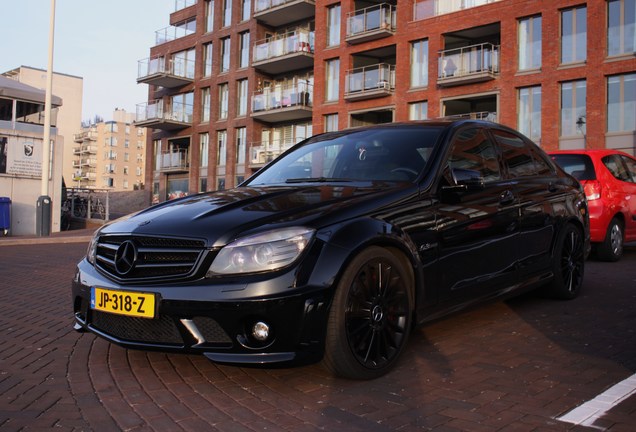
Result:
[382,154]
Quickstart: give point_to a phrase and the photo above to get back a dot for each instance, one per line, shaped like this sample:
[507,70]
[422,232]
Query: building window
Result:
[530,43]
[183,63]
[333,25]
[203,184]
[223,100]
[205,104]
[209,15]
[418,110]
[241,138]
[621,27]
[573,100]
[621,103]
[246,10]
[220,183]
[574,35]
[221,149]
[182,107]
[241,107]
[204,146]
[331,122]
[225,54]
[227,13]
[244,55]
[419,63]
[529,120]
[207,59]
[333,75]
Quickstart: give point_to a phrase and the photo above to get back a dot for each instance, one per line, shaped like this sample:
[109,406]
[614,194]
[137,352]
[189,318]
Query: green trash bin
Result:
[5,215]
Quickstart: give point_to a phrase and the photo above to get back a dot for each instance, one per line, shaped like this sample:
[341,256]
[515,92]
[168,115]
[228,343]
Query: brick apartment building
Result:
[233,83]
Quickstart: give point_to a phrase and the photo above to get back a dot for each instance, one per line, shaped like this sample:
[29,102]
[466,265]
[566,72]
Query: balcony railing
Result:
[282,53]
[266,151]
[171,161]
[79,150]
[182,4]
[370,82]
[279,12]
[371,23]
[469,64]
[155,115]
[283,103]
[429,8]
[171,73]
[89,135]
[171,33]
[478,115]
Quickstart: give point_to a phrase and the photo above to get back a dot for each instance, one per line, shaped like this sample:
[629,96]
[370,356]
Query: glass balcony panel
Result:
[468,64]
[429,8]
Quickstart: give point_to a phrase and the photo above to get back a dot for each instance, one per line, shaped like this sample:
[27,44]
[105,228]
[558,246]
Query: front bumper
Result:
[213,319]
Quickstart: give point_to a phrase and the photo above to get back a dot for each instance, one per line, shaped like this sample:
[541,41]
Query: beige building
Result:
[69,118]
[109,155]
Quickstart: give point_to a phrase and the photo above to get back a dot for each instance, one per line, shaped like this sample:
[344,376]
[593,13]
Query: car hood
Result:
[219,217]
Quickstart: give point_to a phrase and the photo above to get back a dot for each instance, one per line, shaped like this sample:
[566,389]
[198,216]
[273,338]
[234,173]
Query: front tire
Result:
[569,264]
[370,318]
[612,247]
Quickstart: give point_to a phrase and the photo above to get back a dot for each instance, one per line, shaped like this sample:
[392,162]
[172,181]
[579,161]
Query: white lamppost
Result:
[43,216]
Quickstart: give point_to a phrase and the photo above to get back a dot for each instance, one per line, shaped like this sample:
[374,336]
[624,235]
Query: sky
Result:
[100,41]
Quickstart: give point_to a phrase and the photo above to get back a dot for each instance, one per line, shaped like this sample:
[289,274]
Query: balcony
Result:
[467,65]
[370,23]
[266,151]
[84,163]
[159,72]
[429,8]
[88,135]
[153,115]
[370,82]
[283,103]
[276,13]
[284,53]
[173,161]
[80,150]
[171,33]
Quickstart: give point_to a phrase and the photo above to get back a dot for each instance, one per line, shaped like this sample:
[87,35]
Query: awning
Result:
[12,89]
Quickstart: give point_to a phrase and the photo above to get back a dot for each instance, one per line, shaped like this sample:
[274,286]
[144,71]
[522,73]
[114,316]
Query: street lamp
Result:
[43,205]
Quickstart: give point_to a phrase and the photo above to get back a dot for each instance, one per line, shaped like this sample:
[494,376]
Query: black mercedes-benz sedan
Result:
[338,248]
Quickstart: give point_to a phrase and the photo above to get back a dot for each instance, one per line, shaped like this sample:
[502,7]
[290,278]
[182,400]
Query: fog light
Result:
[260,331]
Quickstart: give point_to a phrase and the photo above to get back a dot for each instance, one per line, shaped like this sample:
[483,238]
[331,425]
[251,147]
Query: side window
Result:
[474,157]
[615,166]
[631,167]
[542,165]
[516,154]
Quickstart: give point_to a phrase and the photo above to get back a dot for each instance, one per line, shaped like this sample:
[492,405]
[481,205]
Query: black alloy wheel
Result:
[370,318]
[569,263]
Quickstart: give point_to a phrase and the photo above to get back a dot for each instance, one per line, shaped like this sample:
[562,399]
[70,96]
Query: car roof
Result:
[591,152]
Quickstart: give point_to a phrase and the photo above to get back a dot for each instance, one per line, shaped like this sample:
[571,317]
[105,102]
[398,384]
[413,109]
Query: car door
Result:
[623,168]
[476,220]
[539,193]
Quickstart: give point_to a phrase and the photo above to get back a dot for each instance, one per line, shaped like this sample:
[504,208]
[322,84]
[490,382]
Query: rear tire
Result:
[370,318]
[569,264]
[612,247]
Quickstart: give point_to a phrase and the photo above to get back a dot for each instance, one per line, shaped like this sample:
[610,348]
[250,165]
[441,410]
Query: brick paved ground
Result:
[512,366]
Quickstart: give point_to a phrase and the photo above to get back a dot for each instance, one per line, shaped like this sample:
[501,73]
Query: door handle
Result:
[506,198]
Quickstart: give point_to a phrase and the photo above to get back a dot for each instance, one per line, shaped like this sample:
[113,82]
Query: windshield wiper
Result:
[315,180]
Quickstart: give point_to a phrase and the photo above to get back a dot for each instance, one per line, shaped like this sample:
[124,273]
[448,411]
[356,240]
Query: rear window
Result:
[578,166]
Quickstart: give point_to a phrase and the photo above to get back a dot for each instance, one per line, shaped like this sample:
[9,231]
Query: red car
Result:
[609,180]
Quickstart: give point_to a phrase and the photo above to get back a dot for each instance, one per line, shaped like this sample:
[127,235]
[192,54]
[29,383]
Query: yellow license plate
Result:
[123,302]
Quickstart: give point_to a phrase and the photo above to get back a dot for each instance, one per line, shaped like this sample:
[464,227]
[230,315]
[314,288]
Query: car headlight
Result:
[92,248]
[270,250]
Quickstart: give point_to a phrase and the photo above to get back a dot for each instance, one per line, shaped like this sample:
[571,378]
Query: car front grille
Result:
[149,257]
[131,329]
